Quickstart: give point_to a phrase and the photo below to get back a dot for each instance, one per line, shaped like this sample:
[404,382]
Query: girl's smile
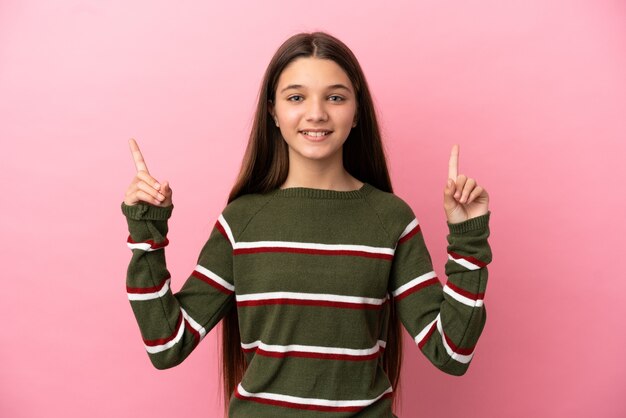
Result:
[315,135]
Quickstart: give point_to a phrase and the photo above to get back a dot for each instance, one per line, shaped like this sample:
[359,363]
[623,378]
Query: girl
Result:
[314,262]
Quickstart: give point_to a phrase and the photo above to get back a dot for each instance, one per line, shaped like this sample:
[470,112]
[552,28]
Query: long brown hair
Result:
[265,167]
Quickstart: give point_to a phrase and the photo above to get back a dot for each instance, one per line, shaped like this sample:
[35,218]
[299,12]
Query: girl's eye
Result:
[337,98]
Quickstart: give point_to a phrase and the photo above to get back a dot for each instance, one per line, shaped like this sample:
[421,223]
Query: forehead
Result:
[313,72]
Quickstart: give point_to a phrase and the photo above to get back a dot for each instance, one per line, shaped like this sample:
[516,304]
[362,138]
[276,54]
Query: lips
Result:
[315,130]
[315,137]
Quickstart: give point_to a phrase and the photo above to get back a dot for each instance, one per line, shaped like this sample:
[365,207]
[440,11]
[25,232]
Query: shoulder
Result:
[238,213]
[393,211]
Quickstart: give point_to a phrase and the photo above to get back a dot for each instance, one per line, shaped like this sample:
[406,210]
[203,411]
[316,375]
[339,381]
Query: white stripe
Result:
[217,279]
[179,335]
[310,401]
[422,334]
[414,282]
[464,263]
[314,245]
[411,226]
[153,295]
[142,246]
[315,348]
[226,227]
[171,343]
[463,299]
[456,356]
[310,296]
[194,324]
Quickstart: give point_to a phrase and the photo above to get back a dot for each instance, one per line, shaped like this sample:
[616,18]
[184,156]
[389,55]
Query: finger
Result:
[145,176]
[151,191]
[467,189]
[146,197]
[475,193]
[453,165]
[460,183]
[140,163]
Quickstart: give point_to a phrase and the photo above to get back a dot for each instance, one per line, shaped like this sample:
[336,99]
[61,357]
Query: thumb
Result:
[450,188]
[166,187]
[448,193]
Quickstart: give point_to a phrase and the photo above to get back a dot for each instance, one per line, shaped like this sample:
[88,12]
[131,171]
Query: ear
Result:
[270,109]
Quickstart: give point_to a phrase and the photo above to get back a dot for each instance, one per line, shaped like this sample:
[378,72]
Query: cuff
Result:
[471,224]
[144,211]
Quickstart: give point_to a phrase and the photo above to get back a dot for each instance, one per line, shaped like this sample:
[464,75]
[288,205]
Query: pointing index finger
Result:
[453,166]
[140,164]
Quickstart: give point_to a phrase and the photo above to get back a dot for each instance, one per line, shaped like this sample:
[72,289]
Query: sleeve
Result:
[445,321]
[173,324]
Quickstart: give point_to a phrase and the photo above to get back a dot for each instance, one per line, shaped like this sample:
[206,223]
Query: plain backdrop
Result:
[534,91]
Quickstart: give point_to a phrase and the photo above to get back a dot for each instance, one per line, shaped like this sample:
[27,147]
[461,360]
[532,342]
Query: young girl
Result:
[314,262]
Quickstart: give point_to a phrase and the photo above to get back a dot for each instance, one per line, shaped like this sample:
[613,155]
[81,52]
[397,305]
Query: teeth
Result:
[315,133]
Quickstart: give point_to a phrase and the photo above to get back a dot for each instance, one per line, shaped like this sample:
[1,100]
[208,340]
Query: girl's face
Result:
[314,97]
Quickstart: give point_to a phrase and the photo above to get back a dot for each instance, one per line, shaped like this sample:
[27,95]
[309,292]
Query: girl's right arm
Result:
[171,324]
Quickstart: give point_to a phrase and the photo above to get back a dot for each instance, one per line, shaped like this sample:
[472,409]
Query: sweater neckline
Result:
[313,193]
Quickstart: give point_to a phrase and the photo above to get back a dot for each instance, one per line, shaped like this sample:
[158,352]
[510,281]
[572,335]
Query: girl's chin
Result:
[315,156]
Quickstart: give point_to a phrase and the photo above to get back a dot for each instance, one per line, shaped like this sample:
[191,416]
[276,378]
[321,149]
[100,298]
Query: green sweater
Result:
[311,272]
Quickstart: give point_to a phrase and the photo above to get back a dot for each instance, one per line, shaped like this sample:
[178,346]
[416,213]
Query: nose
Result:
[316,110]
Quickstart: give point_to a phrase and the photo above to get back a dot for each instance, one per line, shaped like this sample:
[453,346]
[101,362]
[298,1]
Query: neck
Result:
[315,174]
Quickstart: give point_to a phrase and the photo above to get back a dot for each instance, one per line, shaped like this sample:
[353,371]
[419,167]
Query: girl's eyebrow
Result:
[331,87]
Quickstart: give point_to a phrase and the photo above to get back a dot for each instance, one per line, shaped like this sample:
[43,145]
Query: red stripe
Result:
[305,406]
[220,228]
[311,251]
[414,289]
[305,354]
[473,296]
[427,336]
[209,281]
[142,290]
[150,242]
[162,341]
[286,301]
[410,234]
[468,258]
[196,334]
[464,351]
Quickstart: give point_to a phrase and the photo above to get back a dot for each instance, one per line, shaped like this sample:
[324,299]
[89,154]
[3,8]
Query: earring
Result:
[276,121]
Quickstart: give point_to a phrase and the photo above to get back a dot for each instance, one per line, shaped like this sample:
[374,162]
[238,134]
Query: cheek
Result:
[289,115]
[346,116]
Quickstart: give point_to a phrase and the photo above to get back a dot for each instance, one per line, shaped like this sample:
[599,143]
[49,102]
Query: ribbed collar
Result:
[311,193]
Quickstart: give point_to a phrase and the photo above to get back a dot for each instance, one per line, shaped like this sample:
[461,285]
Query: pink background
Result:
[533,91]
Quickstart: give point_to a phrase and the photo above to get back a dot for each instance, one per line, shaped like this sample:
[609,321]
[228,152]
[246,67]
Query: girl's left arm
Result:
[445,321]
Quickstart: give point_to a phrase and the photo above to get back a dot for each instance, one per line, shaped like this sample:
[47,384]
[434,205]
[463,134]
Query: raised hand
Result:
[144,187]
[463,198]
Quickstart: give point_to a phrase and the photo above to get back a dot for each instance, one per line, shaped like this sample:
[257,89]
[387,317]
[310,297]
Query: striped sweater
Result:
[311,272]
